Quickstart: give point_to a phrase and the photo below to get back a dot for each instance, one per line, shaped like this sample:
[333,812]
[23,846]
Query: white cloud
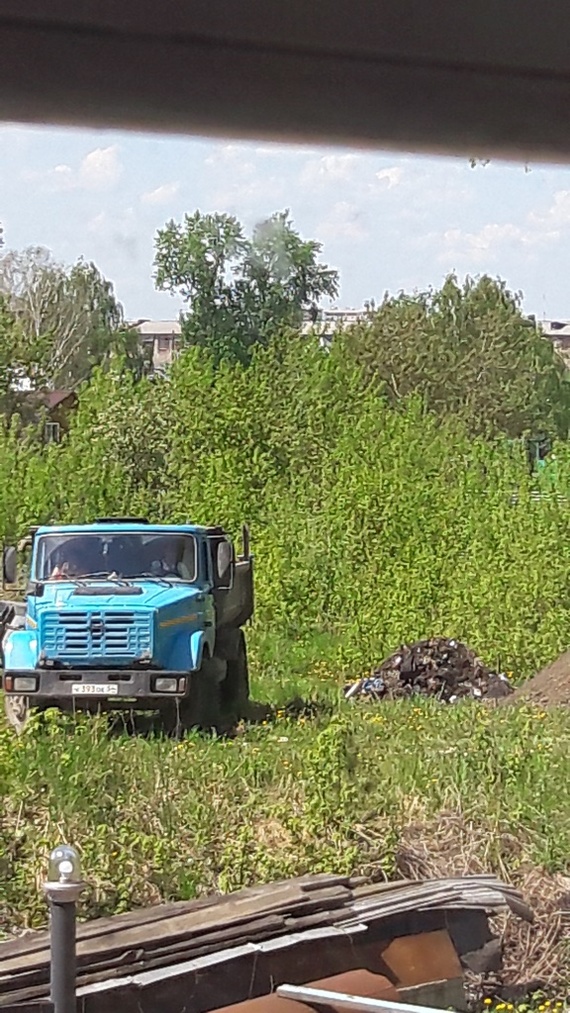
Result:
[239,182]
[482,246]
[344,221]
[162,194]
[557,215]
[329,169]
[61,177]
[392,176]
[100,169]
[537,231]
[284,151]
[231,156]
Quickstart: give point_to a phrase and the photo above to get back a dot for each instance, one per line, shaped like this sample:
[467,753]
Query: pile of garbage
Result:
[441,668]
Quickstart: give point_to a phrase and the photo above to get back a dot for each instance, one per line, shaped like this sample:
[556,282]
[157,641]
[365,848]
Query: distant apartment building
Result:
[161,338]
[557,331]
[326,322]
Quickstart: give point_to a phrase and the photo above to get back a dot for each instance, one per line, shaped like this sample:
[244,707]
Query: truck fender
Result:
[197,645]
[20,649]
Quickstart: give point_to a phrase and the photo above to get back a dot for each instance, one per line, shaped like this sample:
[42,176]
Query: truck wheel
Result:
[17,710]
[202,708]
[205,700]
[235,688]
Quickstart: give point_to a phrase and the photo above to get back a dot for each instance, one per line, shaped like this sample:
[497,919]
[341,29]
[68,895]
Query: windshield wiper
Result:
[113,578]
[153,576]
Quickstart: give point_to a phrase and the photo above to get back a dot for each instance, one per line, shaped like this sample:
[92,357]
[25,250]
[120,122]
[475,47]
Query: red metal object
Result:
[267,1004]
[424,957]
[359,982]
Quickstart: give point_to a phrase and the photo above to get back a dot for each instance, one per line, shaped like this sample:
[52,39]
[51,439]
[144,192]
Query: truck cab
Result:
[122,613]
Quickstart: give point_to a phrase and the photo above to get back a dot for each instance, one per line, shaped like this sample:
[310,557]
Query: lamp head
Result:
[64,865]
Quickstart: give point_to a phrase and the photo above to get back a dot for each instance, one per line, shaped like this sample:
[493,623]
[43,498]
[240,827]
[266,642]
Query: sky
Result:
[388,222]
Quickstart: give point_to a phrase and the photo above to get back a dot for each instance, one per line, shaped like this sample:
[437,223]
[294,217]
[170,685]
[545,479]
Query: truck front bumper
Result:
[44,685]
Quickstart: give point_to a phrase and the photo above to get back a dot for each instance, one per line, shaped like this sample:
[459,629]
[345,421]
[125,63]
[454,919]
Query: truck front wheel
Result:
[201,709]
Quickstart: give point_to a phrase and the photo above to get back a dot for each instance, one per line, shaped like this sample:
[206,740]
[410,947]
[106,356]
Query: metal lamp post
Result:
[63,887]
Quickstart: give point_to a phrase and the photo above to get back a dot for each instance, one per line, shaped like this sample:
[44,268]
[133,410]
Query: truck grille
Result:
[93,636]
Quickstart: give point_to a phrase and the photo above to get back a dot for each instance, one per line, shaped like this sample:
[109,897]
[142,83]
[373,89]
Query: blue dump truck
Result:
[124,614]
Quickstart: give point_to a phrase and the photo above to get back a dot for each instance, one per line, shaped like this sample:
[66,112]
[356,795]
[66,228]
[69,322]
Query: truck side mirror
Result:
[224,565]
[10,564]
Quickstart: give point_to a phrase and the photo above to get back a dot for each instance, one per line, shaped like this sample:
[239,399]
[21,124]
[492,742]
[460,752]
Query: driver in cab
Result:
[71,568]
[169,561]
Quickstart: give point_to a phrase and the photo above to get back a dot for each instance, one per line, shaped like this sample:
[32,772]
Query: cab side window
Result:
[206,568]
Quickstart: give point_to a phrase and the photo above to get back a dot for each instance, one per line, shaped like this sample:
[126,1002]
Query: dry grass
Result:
[409,789]
[450,845]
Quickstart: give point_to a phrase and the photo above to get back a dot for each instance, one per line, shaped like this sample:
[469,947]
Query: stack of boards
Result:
[172,934]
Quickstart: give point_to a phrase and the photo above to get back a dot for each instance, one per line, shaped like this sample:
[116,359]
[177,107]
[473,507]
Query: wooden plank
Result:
[233,908]
[139,958]
[184,930]
[91,977]
[112,951]
[265,893]
[164,912]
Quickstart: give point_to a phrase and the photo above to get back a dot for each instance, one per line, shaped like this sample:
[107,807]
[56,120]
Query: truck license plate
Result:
[94,688]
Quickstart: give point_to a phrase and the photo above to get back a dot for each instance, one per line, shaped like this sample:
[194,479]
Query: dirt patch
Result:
[548,688]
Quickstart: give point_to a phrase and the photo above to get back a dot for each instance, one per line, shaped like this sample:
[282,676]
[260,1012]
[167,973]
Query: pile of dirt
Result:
[439,667]
[548,688]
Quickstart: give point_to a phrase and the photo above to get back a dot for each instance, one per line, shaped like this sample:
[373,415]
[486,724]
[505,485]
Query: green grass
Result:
[359,787]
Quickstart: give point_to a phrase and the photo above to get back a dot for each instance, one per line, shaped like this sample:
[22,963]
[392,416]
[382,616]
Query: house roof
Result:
[158,327]
[51,398]
[556,328]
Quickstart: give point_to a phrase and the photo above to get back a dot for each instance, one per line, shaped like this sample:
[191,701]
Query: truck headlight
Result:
[165,684]
[25,684]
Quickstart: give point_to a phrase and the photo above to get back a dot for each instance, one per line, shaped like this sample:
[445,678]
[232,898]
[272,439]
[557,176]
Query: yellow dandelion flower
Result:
[488,1002]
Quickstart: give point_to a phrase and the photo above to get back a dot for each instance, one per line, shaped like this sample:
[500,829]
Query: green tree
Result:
[69,318]
[467,350]
[240,290]
[13,359]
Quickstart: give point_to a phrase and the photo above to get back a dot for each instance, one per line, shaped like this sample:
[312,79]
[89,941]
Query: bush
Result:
[371,523]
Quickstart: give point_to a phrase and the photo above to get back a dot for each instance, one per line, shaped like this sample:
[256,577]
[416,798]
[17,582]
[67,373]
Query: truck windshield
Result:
[121,554]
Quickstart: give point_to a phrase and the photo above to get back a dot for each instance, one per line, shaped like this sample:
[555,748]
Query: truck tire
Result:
[204,711]
[17,710]
[235,688]
[201,709]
